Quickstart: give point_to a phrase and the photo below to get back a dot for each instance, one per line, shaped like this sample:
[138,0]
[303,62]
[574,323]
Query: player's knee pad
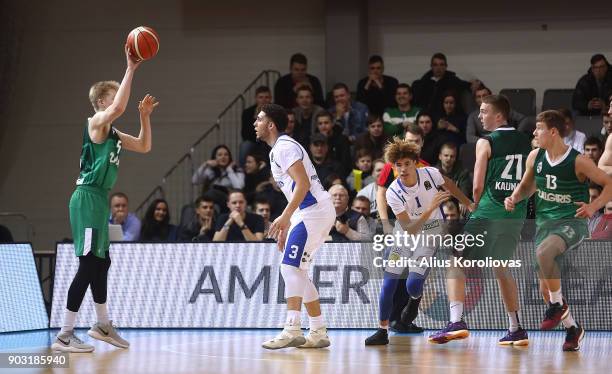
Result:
[310,292]
[295,279]
[414,284]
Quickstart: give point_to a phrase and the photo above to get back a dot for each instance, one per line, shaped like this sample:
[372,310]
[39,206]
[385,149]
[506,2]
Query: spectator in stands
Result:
[219,171]
[402,113]
[306,113]
[451,212]
[350,225]
[452,121]
[432,138]
[603,230]
[5,235]
[374,139]
[361,175]
[130,224]
[262,208]
[377,90]
[606,129]
[256,171]
[352,116]
[201,227]
[429,90]
[324,165]
[369,191]
[594,192]
[156,225]
[450,168]
[331,180]
[238,225]
[474,129]
[290,129]
[361,205]
[339,147]
[270,191]
[594,88]
[285,89]
[574,138]
[593,148]
[249,144]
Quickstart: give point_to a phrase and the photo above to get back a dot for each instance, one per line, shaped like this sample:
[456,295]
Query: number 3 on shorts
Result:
[294,251]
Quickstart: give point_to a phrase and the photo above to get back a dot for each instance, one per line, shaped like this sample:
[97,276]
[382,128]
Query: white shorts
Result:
[404,257]
[308,231]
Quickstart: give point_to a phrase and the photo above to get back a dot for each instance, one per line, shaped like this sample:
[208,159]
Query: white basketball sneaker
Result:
[68,342]
[107,333]
[291,336]
[317,339]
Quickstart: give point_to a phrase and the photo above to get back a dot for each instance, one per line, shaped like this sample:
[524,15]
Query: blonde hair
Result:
[399,149]
[101,89]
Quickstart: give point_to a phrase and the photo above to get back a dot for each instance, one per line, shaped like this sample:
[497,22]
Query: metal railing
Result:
[176,186]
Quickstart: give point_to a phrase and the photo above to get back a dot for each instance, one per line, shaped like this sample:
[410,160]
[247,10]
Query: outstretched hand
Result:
[132,61]
[146,106]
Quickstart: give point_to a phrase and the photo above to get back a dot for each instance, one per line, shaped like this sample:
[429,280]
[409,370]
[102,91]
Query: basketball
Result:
[143,43]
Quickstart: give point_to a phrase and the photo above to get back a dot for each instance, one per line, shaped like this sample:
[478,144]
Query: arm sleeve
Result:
[384,175]
[132,229]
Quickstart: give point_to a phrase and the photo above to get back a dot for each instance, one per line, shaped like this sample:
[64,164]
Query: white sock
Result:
[569,321]
[102,313]
[386,327]
[69,320]
[293,318]
[316,322]
[556,297]
[514,321]
[456,311]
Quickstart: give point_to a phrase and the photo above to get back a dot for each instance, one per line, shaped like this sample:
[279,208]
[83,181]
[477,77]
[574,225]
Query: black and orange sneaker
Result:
[573,338]
[554,314]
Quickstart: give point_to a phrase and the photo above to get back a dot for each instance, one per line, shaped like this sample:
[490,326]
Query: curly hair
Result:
[399,149]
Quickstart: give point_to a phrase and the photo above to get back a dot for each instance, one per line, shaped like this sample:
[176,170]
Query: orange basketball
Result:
[143,43]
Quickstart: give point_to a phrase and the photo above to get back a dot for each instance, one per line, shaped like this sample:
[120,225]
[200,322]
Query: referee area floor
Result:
[239,351]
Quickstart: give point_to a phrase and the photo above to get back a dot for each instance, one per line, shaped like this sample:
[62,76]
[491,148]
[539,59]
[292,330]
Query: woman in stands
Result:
[156,225]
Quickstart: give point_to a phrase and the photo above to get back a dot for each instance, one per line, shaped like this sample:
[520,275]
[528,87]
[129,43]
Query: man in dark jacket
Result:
[429,90]
[377,90]
[593,89]
[285,89]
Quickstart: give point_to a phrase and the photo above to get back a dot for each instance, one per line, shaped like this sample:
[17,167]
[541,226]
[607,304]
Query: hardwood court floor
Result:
[239,351]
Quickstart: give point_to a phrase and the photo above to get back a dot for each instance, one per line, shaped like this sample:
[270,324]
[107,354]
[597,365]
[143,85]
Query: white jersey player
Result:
[300,230]
[415,198]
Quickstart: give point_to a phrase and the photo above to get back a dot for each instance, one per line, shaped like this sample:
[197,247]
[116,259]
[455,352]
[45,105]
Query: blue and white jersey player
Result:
[300,230]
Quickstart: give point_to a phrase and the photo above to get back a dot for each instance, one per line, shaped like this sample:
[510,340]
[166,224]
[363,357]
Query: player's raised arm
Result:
[99,125]
[141,144]
[585,168]
[483,152]
[450,186]
[526,187]
[413,227]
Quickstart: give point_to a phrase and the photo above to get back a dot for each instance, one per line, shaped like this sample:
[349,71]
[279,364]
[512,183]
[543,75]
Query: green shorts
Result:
[499,238]
[89,213]
[572,231]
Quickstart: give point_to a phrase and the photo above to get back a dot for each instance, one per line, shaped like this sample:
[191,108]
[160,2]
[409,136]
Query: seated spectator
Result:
[374,140]
[474,129]
[331,180]
[5,235]
[376,90]
[249,144]
[594,88]
[450,168]
[286,87]
[603,230]
[256,171]
[306,113]
[351,116]
[594,192]
[289,130]
[270,191]
[451,211]
[369,191]
[238,225]
[361,175]
[606,129]
[403,113]
[156,225]
[350,225]
[130,224]
[338,146]
[593,148]
[262,208]
[452,121]
[219,172]
[201,227]
[432,139]
[429,90]
[574,138]
[361,205]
